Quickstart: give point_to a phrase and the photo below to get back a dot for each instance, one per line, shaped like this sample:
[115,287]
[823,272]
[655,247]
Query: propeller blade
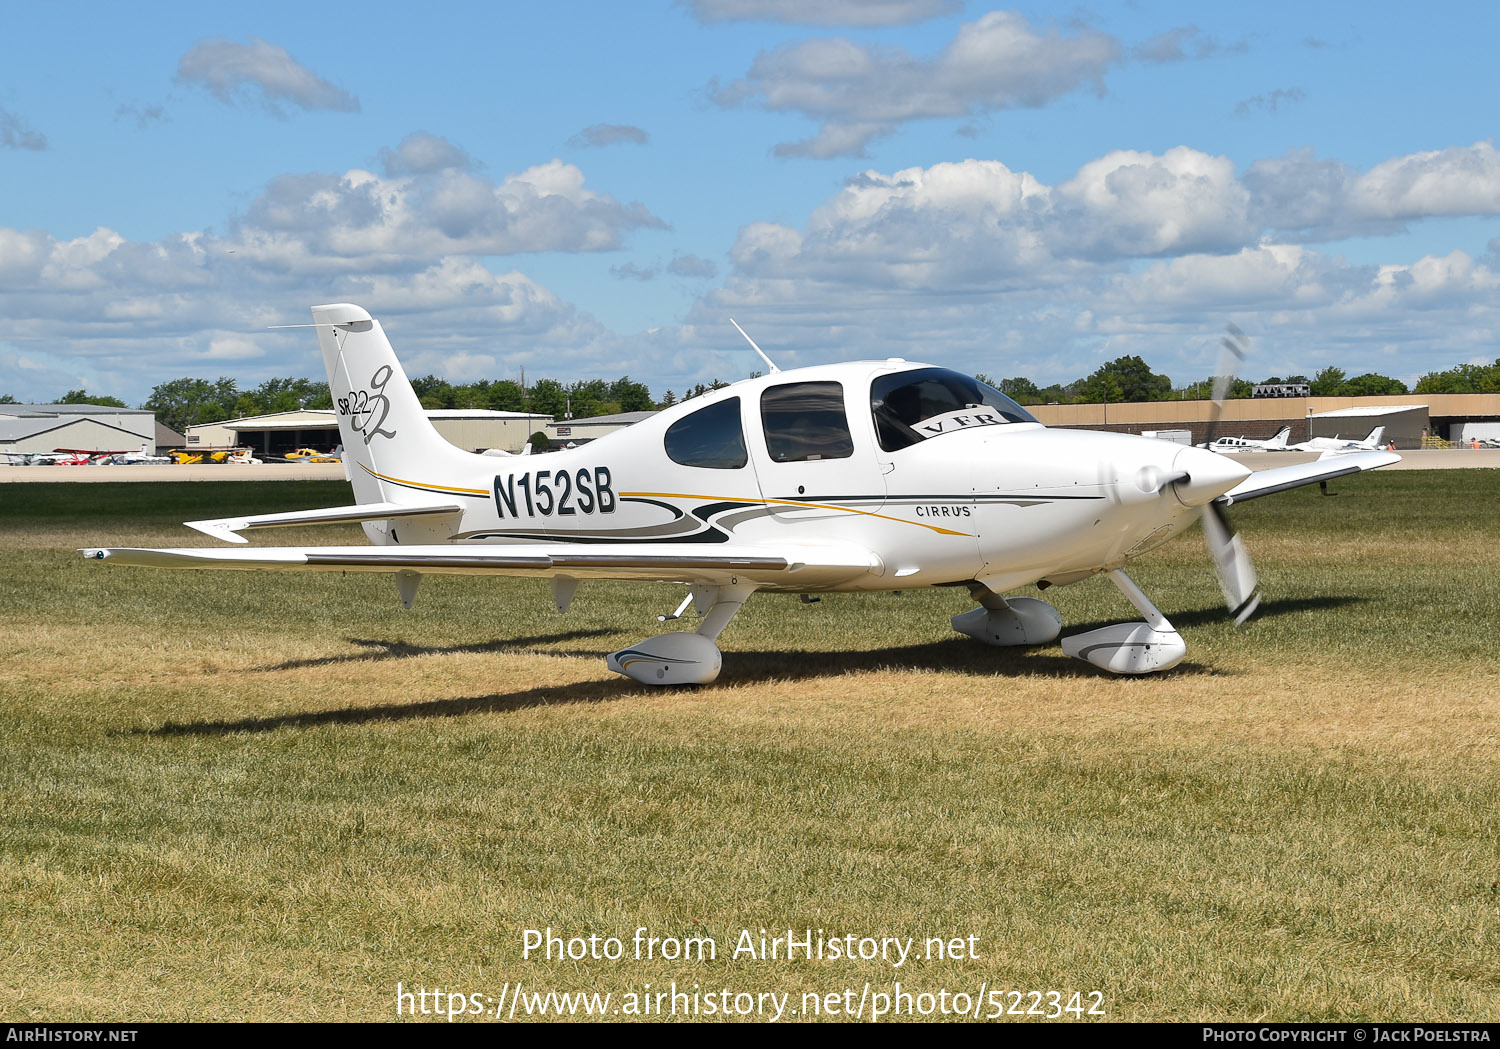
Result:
[1234,346]
[1231,563]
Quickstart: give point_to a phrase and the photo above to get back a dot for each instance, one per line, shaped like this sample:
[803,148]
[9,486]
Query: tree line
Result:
[1131,379]
[186,402]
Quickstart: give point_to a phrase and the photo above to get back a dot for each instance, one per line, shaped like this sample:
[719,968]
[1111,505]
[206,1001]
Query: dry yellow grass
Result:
[247,796]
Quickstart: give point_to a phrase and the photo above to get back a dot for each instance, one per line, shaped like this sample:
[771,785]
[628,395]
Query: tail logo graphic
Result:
[368,409]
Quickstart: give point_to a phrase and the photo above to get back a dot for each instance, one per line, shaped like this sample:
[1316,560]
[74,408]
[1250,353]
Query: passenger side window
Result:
[805,421]
[712,438]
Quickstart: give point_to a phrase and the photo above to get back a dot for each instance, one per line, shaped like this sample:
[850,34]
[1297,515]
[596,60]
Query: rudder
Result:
[390,446]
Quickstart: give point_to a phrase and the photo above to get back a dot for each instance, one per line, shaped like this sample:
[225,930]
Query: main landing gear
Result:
[1121,648]
[680,657]
[692,658]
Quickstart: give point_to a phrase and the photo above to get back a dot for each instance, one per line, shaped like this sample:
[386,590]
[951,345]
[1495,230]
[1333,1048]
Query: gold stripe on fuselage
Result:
[793,502]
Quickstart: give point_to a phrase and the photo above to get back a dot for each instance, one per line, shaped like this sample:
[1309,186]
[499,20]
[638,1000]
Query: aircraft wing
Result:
[1284,478]
[799,564]
[226,527]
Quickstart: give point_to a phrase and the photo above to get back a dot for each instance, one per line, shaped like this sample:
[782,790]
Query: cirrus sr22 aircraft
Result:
[873,475]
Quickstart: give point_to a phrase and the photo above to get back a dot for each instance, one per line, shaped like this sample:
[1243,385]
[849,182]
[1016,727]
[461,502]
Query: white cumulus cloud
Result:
[998,62]
[409,245]
[422,153]
[232,71]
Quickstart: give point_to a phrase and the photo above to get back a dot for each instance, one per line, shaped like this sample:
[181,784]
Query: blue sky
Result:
[593,189]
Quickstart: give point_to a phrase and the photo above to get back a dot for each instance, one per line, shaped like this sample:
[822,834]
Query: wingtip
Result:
[220,529]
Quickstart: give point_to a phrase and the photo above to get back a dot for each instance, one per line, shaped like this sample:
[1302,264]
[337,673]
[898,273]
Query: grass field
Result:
[234,795]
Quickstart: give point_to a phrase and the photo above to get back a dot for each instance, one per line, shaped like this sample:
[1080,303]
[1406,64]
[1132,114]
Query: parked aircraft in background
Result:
[1235,445]
[867,476]
[63,457]
[307,455]
[1336,446]
[145,455]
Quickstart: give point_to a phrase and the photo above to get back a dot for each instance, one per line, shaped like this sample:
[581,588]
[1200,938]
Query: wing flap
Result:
[1285,478]
[807,565]
[226,527]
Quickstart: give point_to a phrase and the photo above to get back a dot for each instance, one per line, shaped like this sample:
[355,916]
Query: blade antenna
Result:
[769,363]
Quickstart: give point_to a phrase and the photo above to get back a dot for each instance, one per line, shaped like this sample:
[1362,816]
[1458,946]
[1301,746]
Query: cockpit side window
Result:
[913,406]
[805,421]
[712,437]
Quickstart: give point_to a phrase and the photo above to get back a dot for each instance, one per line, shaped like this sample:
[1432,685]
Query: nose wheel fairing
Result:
[1130,648]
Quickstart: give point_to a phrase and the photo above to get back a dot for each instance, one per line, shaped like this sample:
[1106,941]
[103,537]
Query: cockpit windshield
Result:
[912,406]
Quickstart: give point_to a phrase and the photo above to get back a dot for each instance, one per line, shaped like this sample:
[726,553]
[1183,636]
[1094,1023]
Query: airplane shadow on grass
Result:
[377,649]
[957,654]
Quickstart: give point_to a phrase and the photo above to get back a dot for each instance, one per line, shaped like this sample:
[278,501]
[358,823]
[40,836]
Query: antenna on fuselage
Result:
[769,363]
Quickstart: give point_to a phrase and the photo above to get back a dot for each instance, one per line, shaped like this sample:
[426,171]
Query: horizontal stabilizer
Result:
[662,562]
[1284,478]
[226,527]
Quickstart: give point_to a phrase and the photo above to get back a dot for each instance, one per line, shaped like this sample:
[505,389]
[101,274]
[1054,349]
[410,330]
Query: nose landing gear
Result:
[1130,648]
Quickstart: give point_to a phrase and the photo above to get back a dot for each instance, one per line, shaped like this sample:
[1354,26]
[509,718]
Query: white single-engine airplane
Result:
[1234,445]
[1340,446]
[873,475]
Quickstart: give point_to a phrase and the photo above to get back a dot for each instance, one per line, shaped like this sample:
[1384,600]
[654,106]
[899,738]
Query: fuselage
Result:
[942,484]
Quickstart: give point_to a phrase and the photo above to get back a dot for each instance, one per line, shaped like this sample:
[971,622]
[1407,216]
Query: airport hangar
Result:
[472,429]
[30,428]
[1407,418]
[563,433]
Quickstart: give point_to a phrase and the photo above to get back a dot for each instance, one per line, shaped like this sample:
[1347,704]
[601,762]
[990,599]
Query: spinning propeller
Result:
[1232,564]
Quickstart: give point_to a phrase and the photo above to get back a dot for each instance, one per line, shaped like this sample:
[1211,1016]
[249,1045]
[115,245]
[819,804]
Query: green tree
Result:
[83,397]
[1019,389]
[433,392]
[1124,379]
[506,396]
[184,402]
[630,395]
[1372,385]
[547,397]
[1465,378]
[587,398]
[1327,381]
[290,395]
[8,399]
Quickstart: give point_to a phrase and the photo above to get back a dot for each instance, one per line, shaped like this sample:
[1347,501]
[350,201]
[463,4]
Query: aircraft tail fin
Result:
[1282,436]
[1373,441]
[391,451]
